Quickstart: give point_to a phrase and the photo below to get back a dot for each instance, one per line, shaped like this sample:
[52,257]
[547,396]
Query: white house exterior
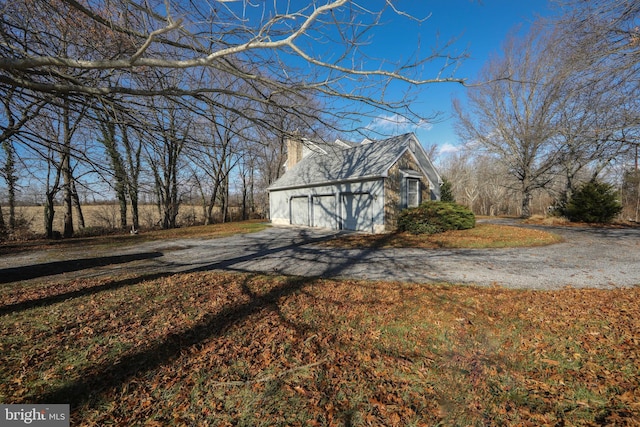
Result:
[358,187]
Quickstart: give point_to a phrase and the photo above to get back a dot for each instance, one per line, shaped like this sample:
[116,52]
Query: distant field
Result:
[103,215]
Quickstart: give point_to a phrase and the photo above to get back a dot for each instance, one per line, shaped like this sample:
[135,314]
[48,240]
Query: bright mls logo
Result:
[35,415]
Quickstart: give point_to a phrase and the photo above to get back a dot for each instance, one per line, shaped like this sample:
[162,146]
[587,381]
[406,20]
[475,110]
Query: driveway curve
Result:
[588,258]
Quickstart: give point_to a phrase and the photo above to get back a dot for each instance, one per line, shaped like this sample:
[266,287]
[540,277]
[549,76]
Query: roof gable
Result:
[362,161]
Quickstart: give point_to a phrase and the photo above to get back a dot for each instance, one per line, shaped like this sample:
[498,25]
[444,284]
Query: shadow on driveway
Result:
[28,272]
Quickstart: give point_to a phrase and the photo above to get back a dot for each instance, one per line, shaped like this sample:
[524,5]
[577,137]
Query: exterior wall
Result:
[317,198]
[394,188]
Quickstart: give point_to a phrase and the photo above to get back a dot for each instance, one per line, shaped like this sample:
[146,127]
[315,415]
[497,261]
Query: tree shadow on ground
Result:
[53,299]
[99,378]
[28,272]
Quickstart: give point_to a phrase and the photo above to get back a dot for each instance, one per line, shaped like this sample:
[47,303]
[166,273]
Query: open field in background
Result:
[107,216]
[259,350]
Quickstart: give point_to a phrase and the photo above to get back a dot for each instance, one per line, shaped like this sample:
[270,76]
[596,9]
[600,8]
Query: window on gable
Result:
[413,192]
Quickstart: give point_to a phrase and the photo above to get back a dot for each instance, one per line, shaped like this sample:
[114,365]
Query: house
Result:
[349,186]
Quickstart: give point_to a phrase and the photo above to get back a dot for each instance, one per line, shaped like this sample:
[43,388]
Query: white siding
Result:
[350,205]
[356,212]
[299,210]
[323,210]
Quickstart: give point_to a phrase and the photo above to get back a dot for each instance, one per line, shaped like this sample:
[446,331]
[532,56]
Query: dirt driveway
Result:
[588,258]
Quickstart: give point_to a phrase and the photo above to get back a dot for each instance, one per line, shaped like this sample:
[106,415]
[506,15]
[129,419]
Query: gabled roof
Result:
[362,161]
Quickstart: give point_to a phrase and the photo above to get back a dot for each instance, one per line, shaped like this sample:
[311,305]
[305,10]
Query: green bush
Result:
[594,202]
[446,191]
[435,217]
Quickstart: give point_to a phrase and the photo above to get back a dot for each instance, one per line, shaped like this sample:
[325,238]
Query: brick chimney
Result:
[294,150]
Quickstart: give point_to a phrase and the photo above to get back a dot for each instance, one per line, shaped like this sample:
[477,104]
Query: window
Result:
[413,192]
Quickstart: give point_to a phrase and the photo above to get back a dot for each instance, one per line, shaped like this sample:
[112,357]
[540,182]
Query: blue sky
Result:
[480,26]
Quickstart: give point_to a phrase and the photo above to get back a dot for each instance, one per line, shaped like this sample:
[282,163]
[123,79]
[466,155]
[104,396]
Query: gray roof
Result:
[363,161]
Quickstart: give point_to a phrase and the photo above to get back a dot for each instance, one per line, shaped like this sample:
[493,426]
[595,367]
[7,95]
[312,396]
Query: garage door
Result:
[356,212]
[324,211]
[299,207]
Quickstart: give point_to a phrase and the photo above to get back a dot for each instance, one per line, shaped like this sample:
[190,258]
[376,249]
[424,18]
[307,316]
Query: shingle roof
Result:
[370,160]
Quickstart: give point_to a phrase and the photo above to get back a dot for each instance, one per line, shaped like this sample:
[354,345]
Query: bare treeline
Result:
[559,106]
[131,97]
[175,101]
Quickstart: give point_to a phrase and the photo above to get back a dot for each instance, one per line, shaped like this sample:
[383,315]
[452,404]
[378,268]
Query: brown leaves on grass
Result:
[482,236]
[235,349]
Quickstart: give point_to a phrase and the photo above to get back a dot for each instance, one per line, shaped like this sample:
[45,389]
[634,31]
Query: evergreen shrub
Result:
[446,191]
[594,202]
[435,217]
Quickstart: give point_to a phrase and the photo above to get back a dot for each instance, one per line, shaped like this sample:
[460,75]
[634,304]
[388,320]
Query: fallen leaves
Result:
[227,349]
[482,236]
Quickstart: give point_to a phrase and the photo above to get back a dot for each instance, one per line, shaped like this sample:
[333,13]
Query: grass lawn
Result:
[481,236]
[223,349]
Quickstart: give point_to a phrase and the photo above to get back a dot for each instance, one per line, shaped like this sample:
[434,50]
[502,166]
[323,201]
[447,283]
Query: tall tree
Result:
[217,151]
[9,175]
[512,114]
[599,42]
[171,127]
[17,112]
[108,138]
[604,33]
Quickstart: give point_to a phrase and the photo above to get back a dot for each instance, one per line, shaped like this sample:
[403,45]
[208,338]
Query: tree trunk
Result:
[49,213]
[252,201]
[68,200]
[67,177]
[245,210]
[135,218]
[3,227]
[133,159]
[11,179]
[50,195]
[224,199]
[526,204]
[122,201]
[76,204]
[212,201]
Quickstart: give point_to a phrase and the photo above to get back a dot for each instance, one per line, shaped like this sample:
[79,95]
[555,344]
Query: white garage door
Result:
[324,211]
[356,212]
[299,208]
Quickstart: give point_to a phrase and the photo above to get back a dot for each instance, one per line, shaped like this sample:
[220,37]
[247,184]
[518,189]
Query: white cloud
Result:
[448,148]
[395,123]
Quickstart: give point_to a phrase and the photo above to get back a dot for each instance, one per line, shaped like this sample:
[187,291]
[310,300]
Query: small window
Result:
[413,192]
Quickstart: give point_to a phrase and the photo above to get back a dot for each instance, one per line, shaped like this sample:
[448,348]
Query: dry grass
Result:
[104,216]
[482,236]
[225,349]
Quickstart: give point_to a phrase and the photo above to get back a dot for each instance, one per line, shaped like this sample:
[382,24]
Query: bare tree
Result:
[170,56]
[599,43]
[171,126]
[561,103]
[217,149]
[512,115]
[17,113]
[108,138]
[9,175]
[133,166]
[251,42]
[605,34]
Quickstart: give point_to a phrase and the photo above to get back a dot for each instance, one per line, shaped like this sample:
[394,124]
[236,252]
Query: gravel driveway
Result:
[588,257]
